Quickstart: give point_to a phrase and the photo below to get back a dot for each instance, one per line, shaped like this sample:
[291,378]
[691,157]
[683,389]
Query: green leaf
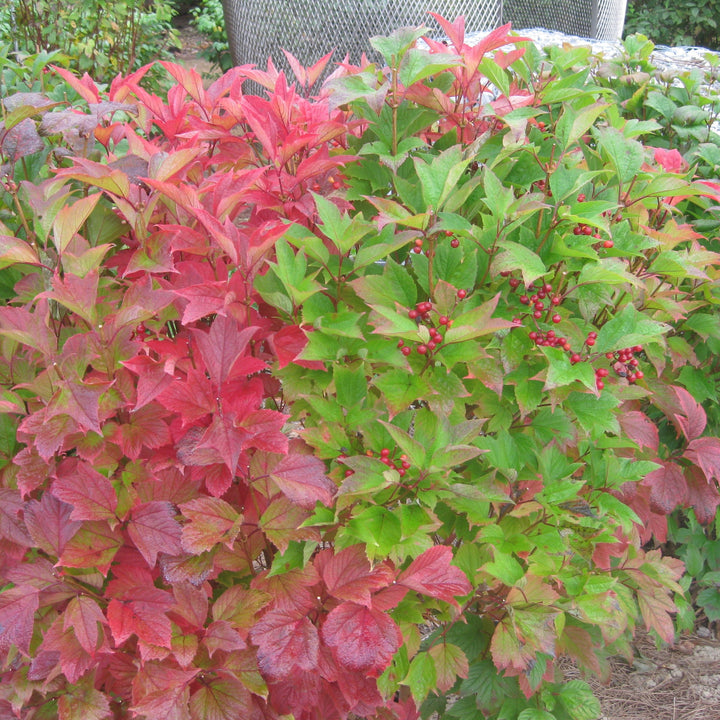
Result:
[419,64]
[517,257]
[578,699]
[535,714]
[378,527]
[350,385]
[440,177]
[394,47]
[574,123]
[562,372]
[629,327]
[624,154]
[421,677]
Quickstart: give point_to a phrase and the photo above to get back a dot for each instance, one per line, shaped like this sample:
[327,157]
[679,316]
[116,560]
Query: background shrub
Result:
[97,37]
[676,22]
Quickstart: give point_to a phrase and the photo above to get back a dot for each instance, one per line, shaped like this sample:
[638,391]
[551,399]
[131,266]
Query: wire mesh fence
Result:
[259,29]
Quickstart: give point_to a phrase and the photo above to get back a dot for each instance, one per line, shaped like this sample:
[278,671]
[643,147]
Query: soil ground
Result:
[673,683]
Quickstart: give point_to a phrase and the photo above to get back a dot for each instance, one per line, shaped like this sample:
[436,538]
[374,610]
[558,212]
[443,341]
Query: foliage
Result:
[97,37]
[676,22]
[287,380]
[209,19]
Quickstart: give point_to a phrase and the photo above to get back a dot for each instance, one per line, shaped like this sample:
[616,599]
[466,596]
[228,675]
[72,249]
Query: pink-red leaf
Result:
[145,615]
[154,529]
[93,545]
[639,428]
[302,479]
[221,699]
[363,639]
[705,453]
[286,641]
[349,576]
[668,487]
[432,574]
[222,346]
[90,493]
[692,420]
[450,664]
[17,613]
[212,521]
[84,616]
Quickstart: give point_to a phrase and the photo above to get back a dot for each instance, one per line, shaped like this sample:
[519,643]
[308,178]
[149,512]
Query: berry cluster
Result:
[626,365]
[538,298]
[420,243]
[387,457]
[422,314]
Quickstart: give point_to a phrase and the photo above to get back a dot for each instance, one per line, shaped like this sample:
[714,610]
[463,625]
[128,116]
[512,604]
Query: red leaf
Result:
[693,422]
[432,574]
[702,496]
[221,699]
[62,646]
[153,378]
[286,641]
[222,346]
[205,299]
[154,529]
[82,616]
[290,590]
[47,433]
[93,545]
[17,614]
[145,429]
[11,526]
[705,453]
[161,692]
[302,479]
[450,663]
[28,328]
[79,295]
[668,488]
[81,402]
[212,521]
[222,441]
[84,702]
[288,343]
[639,428]
[221,635]
[90,493]
[145,615]
[191,399]
[362,639]
[348,576]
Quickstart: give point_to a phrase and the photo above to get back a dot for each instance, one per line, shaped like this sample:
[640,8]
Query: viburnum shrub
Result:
[346,404]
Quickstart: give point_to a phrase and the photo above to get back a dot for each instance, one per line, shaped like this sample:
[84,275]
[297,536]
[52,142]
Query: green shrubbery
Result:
[373,398]
[676,22]
[208,18]
[101,38]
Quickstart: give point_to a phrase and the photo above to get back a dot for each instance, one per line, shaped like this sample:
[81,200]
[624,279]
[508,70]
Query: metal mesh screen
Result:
[259,29]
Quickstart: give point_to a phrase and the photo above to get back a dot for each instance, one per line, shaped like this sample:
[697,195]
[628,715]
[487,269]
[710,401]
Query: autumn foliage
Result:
[284,432]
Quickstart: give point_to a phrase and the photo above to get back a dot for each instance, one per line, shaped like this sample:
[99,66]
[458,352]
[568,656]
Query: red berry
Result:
[609,355]
[385,452]
[422,349]
[581,197]
[462,294]
[602,372]
[550,334]
[639,375]
[599,384]
[592,334]
[448,233]
[566,347]
[412,314]
[556,318]
[514,282]
[533,335]
[505,273]
[590,341]
[548,288]
[401,472]
[524,299]
[608,244]
[556,300]
[443,320]
[575,358]
[577,230]
[454,243]
[400,343]
[406,350]
[537,314]
[405,464]
[417,250]
[348,473]
[637,348]
[419,242]
[431,345]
